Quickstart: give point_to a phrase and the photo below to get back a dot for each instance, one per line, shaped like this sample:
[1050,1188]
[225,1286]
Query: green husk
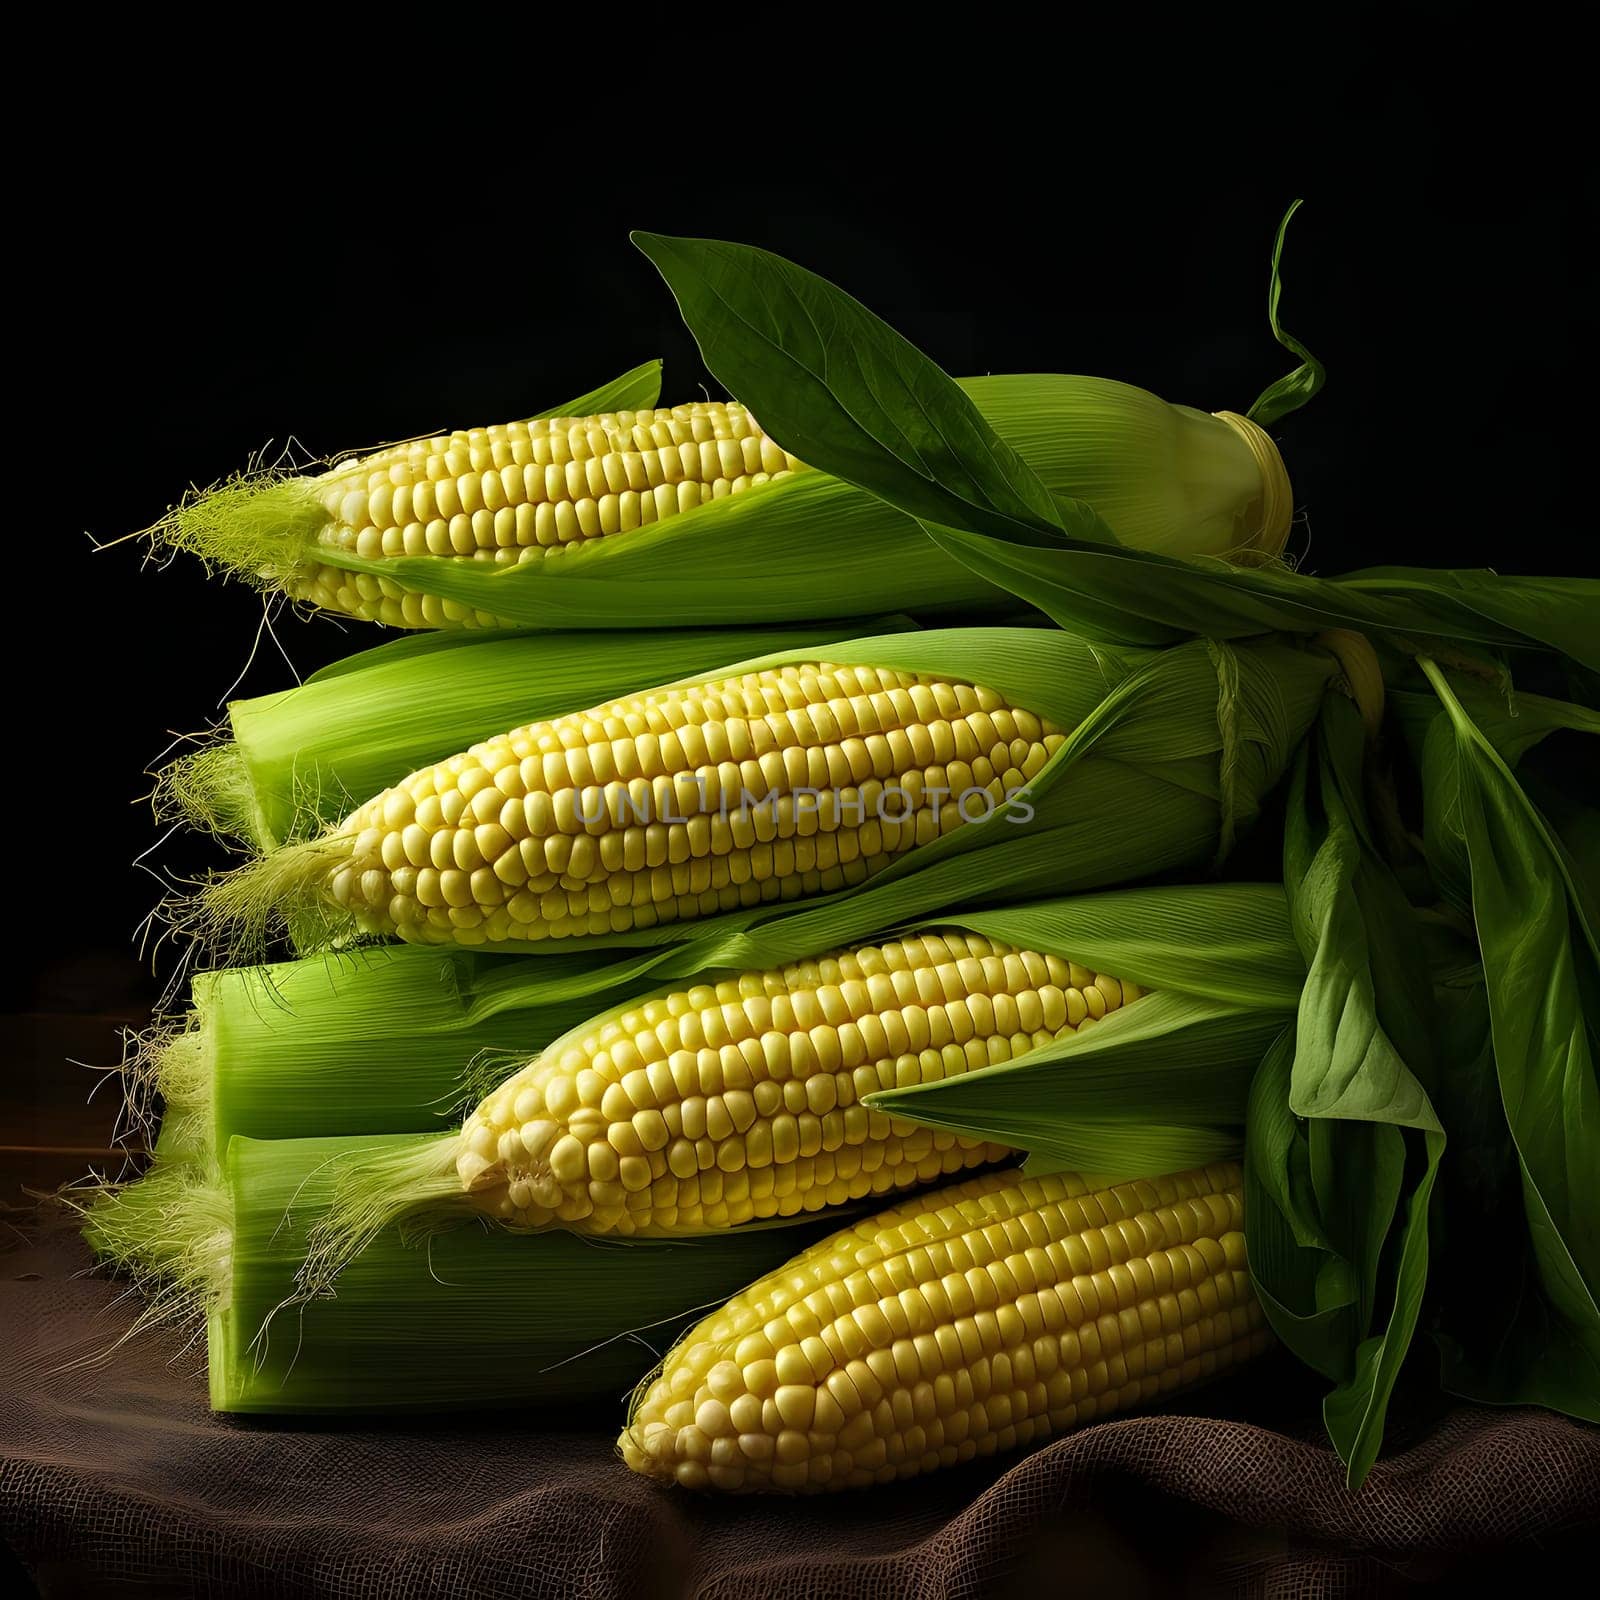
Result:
[393,1039]
[1170,756]
[1351,1180]
[261,522]
[839,388]
[298,760]
[1541,971]
[1433,1079]
[387,1039]
[1166,477]
[1227,975]
[478,1319]
[1158,1080]
[427,1316]
[168,1229]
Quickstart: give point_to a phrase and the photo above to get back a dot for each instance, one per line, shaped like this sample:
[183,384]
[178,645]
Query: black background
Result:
[311,263]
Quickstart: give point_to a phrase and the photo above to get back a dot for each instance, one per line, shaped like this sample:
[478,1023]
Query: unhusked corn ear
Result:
[683,802]
[716,1105]
[523,492]
[960,1323]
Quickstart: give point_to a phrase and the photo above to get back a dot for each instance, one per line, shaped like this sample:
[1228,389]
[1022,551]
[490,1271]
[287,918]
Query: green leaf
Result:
[1475,605]
[1512,1347]
[1573,822]
[1122,1150]
[1357,1171]
[1540,1359]
[1227,941]
[1346,1066]
[1513,722]
[1354,1413]
[1364,1050]
[1226,976]
[1518,1346]
[1294,389]
[636,390]
[1125,595]
[840,381]
[480,1318]
[1305,1287]
[1542,966]
[847,394]
[1318,1295]
[1167,1058]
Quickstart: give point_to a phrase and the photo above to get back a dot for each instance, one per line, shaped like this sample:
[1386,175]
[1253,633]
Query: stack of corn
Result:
[283,1172]
[713,942]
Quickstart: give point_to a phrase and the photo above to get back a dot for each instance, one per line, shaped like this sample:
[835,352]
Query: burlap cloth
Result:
[115,1479]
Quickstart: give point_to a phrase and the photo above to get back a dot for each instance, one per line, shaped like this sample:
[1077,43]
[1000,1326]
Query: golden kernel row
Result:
[455,522]
[544,441]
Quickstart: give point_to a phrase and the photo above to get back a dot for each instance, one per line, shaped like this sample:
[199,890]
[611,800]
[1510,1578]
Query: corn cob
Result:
[716,1105]
[677,804]
[522,492]
[299,759]
[519,524]
[391,1039]
[960,1323]
[750,802]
